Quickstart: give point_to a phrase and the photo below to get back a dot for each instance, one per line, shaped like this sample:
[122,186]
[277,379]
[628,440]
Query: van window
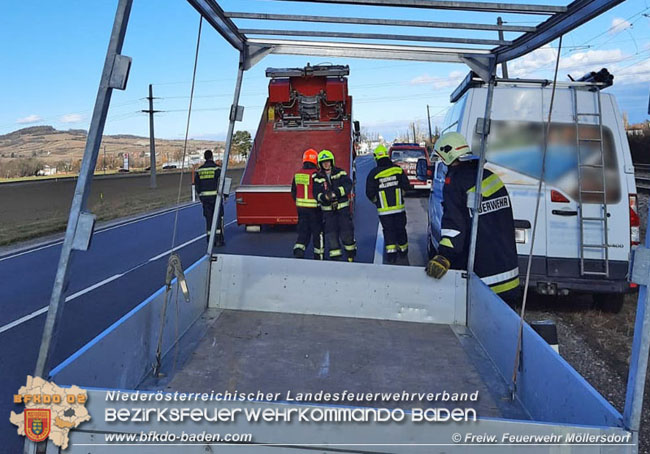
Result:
[454,113]
[518,145]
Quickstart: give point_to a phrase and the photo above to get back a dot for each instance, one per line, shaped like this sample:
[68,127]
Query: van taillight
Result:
[635,221]
[558,197]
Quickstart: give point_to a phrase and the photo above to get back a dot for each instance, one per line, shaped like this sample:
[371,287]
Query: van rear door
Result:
[514,153]
[573,177]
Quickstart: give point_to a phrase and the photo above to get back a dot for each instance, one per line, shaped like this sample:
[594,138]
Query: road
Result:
[124,265]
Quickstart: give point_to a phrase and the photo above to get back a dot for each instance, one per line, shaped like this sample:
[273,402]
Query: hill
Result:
[64,149]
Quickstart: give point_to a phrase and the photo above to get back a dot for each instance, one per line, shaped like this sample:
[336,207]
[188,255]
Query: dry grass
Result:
[35,208]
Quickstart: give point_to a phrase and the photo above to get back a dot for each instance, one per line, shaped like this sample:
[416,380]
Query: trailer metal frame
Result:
[560,20]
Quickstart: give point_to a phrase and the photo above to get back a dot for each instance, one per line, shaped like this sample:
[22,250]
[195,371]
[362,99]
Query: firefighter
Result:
[385,187]
[332,188]
[496,252]
[310,219]
[206,185]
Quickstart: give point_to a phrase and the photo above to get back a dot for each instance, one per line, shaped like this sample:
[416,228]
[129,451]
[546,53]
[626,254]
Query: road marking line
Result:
[56,243]
[231,222]
[379,246]
[44,309]
[21,320]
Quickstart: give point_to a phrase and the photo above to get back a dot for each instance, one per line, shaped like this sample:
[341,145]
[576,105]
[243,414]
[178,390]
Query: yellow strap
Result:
[342,190]
[446,242]
[389,172]
[506,286]
[206,193]
[350,247]
[335,252]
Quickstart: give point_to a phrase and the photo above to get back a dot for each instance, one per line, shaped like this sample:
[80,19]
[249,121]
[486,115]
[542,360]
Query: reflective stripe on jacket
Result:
[385,187]
[496,261]
[207,180]
[338,184]
[302,188]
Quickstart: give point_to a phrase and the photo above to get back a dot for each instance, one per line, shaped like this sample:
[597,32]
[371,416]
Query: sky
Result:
[53,53]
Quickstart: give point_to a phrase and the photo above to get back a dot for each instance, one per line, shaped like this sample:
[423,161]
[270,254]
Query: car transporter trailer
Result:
[258,323]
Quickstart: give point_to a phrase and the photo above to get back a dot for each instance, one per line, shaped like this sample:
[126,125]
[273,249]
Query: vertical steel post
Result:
[504,65]
[479,178]
[639,360]
[83,187]
[226,153]
[429,123]
[152,140]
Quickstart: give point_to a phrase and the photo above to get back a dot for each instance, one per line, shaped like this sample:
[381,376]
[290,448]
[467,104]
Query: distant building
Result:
[638,129]
[47,171]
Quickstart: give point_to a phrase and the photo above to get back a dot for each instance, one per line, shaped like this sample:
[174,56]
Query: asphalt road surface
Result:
[124,265]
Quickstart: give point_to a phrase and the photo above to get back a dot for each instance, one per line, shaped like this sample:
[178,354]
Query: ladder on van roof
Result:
[596,168]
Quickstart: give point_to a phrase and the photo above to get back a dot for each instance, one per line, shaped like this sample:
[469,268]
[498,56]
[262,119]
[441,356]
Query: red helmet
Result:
[310,155]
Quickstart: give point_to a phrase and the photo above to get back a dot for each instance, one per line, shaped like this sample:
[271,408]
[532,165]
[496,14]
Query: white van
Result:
[583,239]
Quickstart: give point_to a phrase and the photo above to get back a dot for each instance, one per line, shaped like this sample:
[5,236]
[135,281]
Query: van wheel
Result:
[609,302]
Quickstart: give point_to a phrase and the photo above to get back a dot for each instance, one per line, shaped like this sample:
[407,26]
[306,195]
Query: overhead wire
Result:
[535,219]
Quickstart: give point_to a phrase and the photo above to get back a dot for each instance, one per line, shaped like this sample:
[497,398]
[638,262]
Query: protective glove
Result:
[438,266]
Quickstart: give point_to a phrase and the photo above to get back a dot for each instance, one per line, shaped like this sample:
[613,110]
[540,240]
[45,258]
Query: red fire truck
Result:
[307,108]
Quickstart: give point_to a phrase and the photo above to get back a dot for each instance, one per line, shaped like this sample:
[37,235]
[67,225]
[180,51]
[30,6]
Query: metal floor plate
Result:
[276,353]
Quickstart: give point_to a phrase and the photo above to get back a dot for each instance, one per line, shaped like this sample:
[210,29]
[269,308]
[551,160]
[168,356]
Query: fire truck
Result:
[306,108]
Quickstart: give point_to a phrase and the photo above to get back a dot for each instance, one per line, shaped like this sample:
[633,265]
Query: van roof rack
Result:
[473,80]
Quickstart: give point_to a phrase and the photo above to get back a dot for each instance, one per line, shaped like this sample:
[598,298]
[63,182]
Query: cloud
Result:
[632,74]
[618,25]
[71,118]
[29,119]
[541,62]
[452,80]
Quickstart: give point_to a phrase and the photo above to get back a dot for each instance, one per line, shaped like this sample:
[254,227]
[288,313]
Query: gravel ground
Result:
[597,344]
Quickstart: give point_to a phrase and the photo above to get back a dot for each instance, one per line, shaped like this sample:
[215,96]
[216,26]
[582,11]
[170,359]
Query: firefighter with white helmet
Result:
[332,189]
[310,220]
[496,260]
[386,186]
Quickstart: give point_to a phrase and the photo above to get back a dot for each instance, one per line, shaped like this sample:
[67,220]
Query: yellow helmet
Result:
[325,155]
[380,152]
[450,146]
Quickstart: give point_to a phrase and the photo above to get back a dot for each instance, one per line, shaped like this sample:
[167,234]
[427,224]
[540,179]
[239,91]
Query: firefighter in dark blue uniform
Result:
[496,260]
[206,184]
[310,219]
[385,187]
[332,189]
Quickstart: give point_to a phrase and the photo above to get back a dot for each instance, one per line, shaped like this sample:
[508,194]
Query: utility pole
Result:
[104,159]
[429,123]
[152,144]
[504,66]
[414,138]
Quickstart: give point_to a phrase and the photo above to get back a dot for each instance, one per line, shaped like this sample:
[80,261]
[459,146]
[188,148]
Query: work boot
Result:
[391,258]
[299,253]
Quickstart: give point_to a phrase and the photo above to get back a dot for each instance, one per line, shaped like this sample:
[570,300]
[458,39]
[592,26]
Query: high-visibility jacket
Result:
[337,182]
[207,179]
[386,185]
[496,260]
[302,186]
